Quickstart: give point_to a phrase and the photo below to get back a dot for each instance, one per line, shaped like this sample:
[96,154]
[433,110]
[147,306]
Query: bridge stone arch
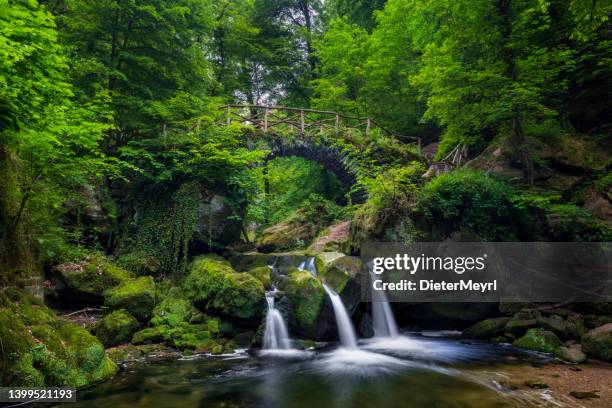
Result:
[326,155]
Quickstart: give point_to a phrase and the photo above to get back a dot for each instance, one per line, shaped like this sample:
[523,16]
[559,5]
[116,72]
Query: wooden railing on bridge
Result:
[268,118]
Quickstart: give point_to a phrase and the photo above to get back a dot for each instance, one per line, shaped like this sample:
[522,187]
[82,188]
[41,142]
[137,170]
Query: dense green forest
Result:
[116,157]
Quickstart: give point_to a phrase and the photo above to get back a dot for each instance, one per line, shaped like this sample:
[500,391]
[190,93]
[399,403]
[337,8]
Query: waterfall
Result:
[382,315]
[276,335]
[309,265]
[343,320]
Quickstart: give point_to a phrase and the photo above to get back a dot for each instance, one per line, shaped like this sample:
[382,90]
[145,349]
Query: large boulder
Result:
[307,299]
[217,223]
[40,350]
[333,238]
[487,328]
[137,296]
[173,309]
[202,337]
[597,343]
[214,286]
[540,340]
[116,328]
[85,281]
[343,274]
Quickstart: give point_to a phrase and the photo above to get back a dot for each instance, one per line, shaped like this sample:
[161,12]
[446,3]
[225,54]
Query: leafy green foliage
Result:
[472,201]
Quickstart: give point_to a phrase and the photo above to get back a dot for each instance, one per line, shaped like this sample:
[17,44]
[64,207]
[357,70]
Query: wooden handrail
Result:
[337,117]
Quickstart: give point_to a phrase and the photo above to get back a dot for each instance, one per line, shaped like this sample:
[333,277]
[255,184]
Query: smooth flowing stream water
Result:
[276,335]
[346,331]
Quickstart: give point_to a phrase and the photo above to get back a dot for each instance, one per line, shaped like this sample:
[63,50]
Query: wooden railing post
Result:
[367,126]
[302,127]
[266,120]
[337,122]
[229,120]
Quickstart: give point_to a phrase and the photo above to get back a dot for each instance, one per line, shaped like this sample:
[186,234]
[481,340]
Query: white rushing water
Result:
[382,316]
[309,265]
[276,335]
[346,331]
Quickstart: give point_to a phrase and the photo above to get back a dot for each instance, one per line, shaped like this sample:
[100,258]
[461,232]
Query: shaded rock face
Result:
[562,162]
[443,315]
[597,343]
[285,235]
[487,328]
[217,222]
[333,238]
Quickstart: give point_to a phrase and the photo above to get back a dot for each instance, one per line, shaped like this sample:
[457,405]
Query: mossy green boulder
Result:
[203,337]
[116,328]
[306,296]
[88,279]
[262,274]
[214,286]
[137,296]
[40,349]
[540,340]
[597,343]
[338,270]
[487,328]
[173,310]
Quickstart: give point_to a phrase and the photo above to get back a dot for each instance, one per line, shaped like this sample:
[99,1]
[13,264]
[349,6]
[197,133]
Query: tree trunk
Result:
[516,125]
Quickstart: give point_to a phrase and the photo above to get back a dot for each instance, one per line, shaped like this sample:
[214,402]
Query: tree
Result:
[489,68]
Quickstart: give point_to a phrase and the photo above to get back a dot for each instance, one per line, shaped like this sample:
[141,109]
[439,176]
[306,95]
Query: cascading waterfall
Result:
[346,331]
[383,320]
[276,335]
[382,316]
[308,265]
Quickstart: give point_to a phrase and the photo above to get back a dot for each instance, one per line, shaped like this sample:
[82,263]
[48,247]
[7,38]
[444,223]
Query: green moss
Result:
[262,274]
[41,350]
[137,296]
[540,340]
[139,262]
[487,329]
[89,277]
[597,343]
[116,328]
[199,337]
[173,309]
[149,335]
[214,285]
[337,269]
[307,296]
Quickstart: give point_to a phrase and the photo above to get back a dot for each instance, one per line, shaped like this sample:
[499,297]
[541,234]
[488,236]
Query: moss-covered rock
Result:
[307,297]
[518,326]
[214,286]
[487,329]
[540,340]
[262,274]
[203,337]
[137,296]
[597,343]
[173,310]
[116,328]
[88,279]
[43,350]
[139,262]
[338,270]
[335,238]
